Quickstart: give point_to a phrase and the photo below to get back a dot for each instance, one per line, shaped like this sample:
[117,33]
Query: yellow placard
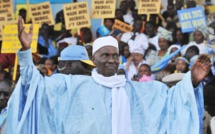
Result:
[3,20]
[149,7]
[6,8]
[11,43]
[76,15]
[103,8]
[211,9]
[122,26]
[42,13]
[1,31]
[23,6]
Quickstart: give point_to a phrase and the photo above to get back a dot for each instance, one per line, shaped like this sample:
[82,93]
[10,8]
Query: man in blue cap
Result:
[103,103]
[74,60]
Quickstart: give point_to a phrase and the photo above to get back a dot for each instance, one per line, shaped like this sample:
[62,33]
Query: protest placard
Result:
[76,15]
[191,18]
[149,6]
[23,7]
[42,13]
[6,8]
[122,26]
[10,39]
[103,8]
[211,9]
[3,20]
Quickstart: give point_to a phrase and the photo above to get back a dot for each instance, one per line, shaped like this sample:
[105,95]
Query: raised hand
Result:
[200,69]
[24,37]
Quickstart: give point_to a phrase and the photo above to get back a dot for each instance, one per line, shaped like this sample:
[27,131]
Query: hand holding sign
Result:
[24,37]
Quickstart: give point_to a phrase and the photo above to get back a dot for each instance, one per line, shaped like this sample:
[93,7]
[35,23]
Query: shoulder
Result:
[125,37]
[149,86]
[142,35]
[65,79]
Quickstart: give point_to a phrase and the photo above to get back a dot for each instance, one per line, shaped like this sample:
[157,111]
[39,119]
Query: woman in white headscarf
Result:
[165,37]
[172,49]
[199,36]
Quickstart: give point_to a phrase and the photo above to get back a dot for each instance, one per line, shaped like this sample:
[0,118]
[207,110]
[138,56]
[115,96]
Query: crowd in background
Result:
[139,50]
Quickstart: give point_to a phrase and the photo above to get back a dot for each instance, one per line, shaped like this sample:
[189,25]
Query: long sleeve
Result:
[177,110]
[32,103]
[185,108]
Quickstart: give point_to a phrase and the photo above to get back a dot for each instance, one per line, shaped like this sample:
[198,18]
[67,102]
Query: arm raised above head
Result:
[24,37]
[200,69]
[185,100]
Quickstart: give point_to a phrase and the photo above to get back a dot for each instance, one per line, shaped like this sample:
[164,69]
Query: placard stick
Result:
[28,9]
[15,68]
[79,34]
[102,22]
[157,20]
[161,17]
[148,17]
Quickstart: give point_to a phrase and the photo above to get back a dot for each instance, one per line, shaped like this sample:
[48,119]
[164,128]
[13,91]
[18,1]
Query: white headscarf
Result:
[172,46]
[163,33]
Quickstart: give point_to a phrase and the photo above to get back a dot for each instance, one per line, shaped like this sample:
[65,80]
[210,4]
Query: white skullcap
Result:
[138,50]
[104,41]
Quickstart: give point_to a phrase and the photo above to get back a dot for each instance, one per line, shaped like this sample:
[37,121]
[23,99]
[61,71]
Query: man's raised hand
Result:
[24,37]
[200,69]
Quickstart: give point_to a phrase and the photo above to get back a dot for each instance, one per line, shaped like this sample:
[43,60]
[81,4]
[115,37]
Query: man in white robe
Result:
[104,103]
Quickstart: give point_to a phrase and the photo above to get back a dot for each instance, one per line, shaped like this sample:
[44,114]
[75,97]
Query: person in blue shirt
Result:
[103,103]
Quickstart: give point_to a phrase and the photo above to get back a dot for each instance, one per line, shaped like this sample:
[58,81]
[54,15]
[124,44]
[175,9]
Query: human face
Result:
[5,92]
[87,36]
[137,26]
[179,4]
[49,64]
[144,70]
[126,52]
[181,66]
[108,24]
[179,36]
[119,14]
[189,54]
[89,50]
[124,7]
[71,67]
[150,30]
[163,44]
[173,50]
[106,60]
[131,4]
[170,9]
[44,71]
[137,58]
[198,37]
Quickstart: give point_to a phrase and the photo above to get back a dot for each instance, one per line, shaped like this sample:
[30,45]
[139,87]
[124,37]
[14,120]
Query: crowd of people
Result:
[153,50]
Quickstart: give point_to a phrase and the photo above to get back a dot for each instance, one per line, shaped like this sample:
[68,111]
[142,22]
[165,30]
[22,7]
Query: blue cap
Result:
[75,52]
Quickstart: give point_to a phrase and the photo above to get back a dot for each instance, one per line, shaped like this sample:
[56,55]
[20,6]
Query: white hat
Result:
[172,79]
[138,50]
[69,41]
[104,41]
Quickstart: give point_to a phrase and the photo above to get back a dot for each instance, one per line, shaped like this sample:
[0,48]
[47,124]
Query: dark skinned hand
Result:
[200,69]
[24,37]
[135,78]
